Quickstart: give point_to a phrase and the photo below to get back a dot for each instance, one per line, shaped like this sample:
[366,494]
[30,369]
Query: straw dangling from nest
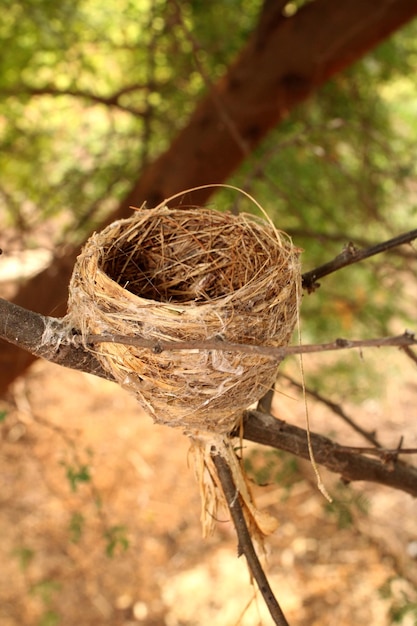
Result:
[189,274]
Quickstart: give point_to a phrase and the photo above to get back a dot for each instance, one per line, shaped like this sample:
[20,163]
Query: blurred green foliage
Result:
[77,474]
[403,608]
[90,94]
[76,526]
[25,556]
[116,539]
[46,591]
[265,466]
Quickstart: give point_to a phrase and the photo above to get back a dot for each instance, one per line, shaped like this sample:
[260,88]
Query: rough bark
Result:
[46,337]
[285,61]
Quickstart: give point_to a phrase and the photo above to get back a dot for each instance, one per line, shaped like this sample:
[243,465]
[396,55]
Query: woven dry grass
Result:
[181,274]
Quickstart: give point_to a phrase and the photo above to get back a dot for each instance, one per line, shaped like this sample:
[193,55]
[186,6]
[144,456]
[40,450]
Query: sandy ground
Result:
[83,471]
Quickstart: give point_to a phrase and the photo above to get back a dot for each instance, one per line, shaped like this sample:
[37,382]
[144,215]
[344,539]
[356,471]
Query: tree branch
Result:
[351,466]
[62,344]
[245,542]
[336,408]
[112,100]
[350,255]
[276,353]
[412,355]
[46,337]
[53,340]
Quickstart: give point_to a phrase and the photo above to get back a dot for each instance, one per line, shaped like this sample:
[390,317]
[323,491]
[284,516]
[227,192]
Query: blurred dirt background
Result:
[100,521]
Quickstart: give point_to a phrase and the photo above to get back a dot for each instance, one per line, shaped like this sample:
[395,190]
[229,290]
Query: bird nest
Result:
[188,274]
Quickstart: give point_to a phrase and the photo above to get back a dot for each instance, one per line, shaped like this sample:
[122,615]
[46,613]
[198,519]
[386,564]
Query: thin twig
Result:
[65,346]
[410,353]
[336,408]
[224,114]
[383,453]
[351,255]
[245,542]
[49,89]
[276,353]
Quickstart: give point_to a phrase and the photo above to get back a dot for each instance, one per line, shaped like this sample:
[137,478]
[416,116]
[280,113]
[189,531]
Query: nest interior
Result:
[188,274]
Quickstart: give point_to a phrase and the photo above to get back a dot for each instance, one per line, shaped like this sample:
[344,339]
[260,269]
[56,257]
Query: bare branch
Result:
[17,323]
[45,337]
[410,353]
[351,255]
[245,542]
[350,465]
[113,100]
[277,353]
[336,408]
[52,339]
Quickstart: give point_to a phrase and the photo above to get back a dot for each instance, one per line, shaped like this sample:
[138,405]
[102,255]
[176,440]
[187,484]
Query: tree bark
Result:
[285,61]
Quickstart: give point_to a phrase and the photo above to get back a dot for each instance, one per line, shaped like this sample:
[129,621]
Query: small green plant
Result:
[3,415]
[49,618]
[77,474]
[116,538]
[45,590]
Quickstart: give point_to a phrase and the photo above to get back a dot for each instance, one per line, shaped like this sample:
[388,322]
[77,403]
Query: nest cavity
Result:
[188,274]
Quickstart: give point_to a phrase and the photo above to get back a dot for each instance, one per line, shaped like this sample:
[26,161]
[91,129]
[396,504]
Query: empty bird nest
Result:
[169,275]
[186,274]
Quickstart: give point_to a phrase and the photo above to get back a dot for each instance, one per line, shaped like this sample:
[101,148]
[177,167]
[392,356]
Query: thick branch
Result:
[351,466]
[51,339]
[45,337]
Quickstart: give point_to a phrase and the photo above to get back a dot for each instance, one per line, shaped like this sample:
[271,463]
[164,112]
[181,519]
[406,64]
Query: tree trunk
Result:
[285,60]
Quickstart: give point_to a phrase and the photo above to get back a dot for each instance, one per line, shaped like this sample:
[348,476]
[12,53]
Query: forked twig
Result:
[245,542]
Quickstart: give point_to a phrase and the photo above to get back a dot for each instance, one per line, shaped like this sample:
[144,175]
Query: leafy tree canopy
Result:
[91,93]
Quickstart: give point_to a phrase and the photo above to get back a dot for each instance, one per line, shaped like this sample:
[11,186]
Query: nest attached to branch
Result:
[186,274]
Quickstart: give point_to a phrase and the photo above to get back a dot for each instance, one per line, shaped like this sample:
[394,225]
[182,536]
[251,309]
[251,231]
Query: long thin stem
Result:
[278,353]
[245,542]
